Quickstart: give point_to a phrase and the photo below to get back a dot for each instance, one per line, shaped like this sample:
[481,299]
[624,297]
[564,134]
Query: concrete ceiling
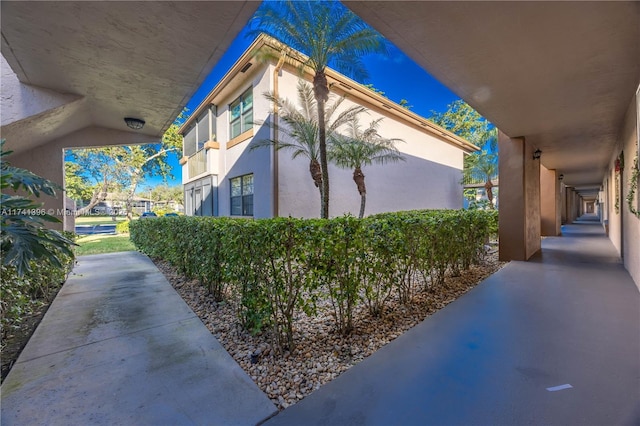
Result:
[561,74]
[110,60]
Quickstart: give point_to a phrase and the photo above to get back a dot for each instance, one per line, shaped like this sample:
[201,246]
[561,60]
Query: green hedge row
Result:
[272,269]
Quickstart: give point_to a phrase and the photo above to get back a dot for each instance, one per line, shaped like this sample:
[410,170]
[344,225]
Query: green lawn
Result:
[98,220]
[99,244]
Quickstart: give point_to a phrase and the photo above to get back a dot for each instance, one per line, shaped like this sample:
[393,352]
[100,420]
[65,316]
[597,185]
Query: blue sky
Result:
[424,93]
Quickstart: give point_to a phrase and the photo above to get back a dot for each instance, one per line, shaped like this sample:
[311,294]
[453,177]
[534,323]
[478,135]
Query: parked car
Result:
[171,215]
[147,215]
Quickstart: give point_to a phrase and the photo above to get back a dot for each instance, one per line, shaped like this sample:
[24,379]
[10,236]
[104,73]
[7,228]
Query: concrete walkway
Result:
[119,347]
[553,341]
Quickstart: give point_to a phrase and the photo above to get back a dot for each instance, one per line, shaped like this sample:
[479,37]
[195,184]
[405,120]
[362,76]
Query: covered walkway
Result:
[118,346]
[552,341]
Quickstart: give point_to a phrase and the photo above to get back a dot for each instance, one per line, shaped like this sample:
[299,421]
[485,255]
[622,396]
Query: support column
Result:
[574,213]
[549,202]
[519,212]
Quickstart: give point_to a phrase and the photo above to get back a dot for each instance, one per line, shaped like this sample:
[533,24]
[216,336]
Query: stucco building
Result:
[222,176]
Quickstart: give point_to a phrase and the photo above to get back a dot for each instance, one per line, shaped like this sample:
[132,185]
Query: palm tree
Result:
[327,32]
[483,164]
[360,148]
[302,127]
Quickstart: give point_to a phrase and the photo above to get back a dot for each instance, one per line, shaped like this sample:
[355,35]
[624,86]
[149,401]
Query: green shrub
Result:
[122,227]
[20,294]
[272,269]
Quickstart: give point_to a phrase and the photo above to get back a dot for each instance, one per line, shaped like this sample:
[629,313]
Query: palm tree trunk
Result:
[321,93]
[358,178]
[316,173]
[487,186]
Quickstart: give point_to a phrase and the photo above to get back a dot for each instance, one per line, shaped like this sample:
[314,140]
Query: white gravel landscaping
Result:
[321,354]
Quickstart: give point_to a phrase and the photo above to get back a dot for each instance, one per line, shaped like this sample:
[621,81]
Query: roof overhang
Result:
[266,49]
[561,74]
[104,61]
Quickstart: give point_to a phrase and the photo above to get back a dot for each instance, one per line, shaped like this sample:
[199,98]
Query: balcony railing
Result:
[197,163]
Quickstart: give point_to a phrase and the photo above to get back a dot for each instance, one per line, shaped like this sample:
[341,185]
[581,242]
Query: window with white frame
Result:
[242,195]
[241,114]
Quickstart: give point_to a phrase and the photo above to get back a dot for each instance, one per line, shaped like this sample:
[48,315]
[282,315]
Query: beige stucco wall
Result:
[630,237]
[549,202]
[21,101]
[429,178]
[519,212]
[239,160]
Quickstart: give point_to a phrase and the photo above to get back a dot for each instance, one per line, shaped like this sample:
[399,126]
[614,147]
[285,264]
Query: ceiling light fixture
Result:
[537,154]
[134,123]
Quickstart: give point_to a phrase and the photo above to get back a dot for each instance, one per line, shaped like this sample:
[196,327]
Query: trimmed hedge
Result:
[272,269]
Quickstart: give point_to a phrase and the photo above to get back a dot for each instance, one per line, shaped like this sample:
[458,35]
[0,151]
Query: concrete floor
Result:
[504,353]
[120,347]
[553,341]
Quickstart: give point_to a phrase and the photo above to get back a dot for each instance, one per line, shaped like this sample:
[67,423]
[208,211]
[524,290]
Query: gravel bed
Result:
[321,353]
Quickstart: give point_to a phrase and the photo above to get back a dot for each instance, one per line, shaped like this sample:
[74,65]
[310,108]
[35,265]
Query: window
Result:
[242,196]
[206,128]
[241,114]
[189,142]
[202,130]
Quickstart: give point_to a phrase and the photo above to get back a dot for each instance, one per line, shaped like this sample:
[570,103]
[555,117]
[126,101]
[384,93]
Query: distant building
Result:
[115,204]
[222,177]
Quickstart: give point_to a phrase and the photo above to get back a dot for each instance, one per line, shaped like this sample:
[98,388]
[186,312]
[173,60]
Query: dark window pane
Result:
[236,206]
[247,202]
[190,142]
[203,128]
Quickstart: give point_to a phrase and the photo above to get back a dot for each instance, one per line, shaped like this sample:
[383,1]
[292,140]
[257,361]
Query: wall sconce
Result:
[561,176]
[536,154]
[134,123]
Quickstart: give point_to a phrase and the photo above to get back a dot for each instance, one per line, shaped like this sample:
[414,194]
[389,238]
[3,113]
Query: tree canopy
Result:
[96,171]
[467,123]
